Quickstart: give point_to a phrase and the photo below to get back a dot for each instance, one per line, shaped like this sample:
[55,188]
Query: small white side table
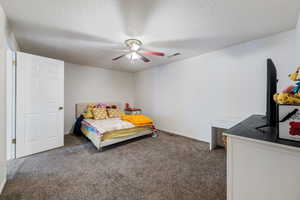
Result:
[224,124]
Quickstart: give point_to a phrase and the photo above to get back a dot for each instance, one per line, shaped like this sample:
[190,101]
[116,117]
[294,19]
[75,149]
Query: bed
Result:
[103,133]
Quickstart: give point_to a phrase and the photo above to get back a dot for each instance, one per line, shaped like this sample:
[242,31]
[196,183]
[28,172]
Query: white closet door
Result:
[40,99]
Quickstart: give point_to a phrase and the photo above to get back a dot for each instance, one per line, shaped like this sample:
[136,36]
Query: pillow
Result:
[111,107]
[88,114]
[101,105]
[99,113]
[89,111]
[115,113]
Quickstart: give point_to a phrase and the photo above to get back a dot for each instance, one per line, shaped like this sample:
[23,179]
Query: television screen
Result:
[271,110]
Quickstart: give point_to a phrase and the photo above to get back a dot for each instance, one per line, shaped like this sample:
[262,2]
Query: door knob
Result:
[60,108]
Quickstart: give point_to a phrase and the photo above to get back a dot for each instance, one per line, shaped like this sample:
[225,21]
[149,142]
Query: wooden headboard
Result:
[81,107]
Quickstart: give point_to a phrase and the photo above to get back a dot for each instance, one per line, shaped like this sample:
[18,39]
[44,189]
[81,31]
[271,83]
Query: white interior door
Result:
[40,99]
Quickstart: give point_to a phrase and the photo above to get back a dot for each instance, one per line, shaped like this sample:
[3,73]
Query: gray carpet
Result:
[162,168]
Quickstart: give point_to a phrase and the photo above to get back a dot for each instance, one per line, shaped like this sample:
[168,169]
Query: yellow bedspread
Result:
[138,120]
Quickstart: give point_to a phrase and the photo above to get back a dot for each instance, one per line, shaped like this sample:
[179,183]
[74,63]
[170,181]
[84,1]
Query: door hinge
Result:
[14,62]
[14,141]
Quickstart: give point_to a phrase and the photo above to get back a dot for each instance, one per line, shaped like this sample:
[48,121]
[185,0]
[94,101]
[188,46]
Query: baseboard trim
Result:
[2,186]
[181,135]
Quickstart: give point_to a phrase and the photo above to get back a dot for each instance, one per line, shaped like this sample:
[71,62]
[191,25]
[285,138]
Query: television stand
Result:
[258,164]
[263,126]
[288,116]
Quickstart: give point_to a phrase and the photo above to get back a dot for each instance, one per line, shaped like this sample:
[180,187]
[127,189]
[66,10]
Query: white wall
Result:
[2,98]
[92,84]
[298,25]
[298,41]
[11,42]
[186,96]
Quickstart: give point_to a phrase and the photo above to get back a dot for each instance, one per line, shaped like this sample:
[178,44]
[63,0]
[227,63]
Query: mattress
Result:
[93,132]
[107,125]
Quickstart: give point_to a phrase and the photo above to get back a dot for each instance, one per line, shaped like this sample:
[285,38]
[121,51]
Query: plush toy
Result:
[296,89]
[289,89]
[89,111]
[294,76]
[290,95]
[286,98]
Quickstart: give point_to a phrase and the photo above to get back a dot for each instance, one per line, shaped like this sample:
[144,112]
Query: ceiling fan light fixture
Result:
[133,44]
[135,47]
[133,56]
[135,51]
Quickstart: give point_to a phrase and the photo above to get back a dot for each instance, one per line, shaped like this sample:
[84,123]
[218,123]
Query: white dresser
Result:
[260,166]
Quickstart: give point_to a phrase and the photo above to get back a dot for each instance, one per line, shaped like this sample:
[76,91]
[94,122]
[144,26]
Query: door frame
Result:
[11,103]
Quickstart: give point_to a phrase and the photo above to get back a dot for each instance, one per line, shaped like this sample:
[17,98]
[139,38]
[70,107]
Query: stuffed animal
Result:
[89,111]
[286,98]
[289,89]
[294,76]
[290,95]
[296,89]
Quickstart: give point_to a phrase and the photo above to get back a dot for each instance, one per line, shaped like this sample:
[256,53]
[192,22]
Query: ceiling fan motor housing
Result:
[133,44]
[135,51]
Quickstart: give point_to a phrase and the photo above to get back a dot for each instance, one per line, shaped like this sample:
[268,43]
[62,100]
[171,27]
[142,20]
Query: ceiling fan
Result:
[135,51]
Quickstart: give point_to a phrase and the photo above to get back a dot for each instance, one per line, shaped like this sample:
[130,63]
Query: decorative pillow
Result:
[111,106]
[99,113]
[115,113]
[114,106]
[89,111]
[101,105]
[88,115]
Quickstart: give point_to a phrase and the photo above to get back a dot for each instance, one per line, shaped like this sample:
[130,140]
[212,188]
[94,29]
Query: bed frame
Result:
[81,108]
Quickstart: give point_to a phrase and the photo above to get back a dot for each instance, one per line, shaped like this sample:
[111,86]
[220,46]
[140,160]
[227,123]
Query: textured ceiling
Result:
[92,32]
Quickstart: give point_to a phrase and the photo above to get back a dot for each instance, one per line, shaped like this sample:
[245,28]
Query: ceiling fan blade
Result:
[144,58]
[153,53]
[175,54]
[119,57]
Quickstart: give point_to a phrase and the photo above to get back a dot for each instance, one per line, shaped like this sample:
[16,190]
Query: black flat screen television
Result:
[271,110]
